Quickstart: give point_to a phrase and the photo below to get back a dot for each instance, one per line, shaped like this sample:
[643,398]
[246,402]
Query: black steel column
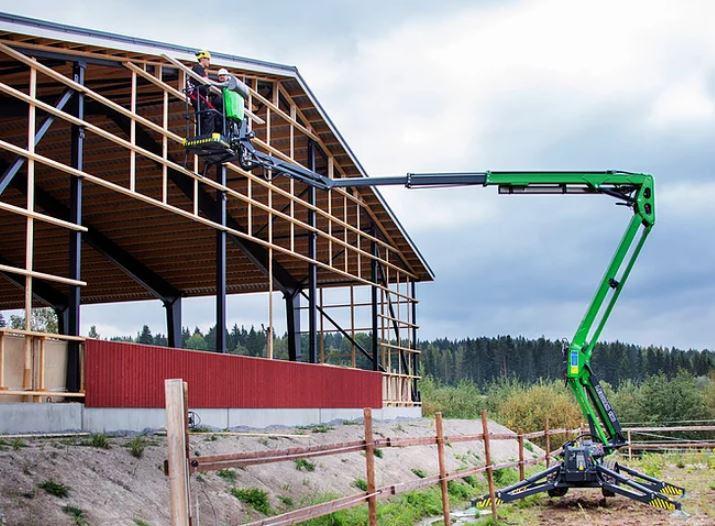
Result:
[173,323]
[373,278]
[415,357]
[74,373]
[312,268]
[221,263]
[293,324]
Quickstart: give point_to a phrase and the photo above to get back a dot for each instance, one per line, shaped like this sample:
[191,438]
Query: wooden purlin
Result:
[157,203]
[162,132]
[356,195]
[165,163]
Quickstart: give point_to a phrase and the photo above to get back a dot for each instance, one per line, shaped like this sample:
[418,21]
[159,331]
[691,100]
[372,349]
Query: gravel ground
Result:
[112,487]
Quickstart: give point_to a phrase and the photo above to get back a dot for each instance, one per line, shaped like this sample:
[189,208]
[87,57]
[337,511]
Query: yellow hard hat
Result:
[204,53]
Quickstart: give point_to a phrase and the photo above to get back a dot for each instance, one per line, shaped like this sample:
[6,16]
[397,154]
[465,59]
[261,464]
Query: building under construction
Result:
[100,203]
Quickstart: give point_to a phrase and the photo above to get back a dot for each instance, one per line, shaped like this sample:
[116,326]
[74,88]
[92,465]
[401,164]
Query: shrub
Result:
[662,400]
[419,472]
[78,515]
[136,446]
[458,490]
[254,497]
[55,488]
[229,475]
[17,444]
[526,409]
[316,428]
[98,440]
[302,464]
[461,401]
[378,453]
[286,501]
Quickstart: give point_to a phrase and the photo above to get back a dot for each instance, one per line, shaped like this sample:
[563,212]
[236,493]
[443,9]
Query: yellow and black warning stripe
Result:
[662,504]
[672,490]
[215,137]
[487,501]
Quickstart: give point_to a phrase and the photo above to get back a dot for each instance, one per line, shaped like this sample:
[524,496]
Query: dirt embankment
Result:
[113,487]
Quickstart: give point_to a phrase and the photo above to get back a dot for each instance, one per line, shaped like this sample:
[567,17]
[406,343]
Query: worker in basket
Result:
[208,118]
[234,94]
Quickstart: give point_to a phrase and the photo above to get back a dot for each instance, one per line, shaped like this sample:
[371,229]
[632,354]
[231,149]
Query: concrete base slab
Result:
[40,418]
[57,418]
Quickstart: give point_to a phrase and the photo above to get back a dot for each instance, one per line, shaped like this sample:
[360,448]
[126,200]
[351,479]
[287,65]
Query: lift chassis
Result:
[584,461]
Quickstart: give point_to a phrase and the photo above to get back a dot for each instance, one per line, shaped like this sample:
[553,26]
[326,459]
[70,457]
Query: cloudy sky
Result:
[476,85]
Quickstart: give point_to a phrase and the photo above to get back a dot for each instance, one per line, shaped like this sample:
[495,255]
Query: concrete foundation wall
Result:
[57,418]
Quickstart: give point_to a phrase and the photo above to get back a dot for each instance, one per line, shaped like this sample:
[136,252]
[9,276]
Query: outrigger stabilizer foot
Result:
[583,466]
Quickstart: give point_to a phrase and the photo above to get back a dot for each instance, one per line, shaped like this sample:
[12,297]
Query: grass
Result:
[139,522]
[78,516]
[254,497]
[15,444]
[136,446]
[360,484]
[505,476]
[316,428]
[302,464]
[378,453]
[98,440]
[404,510]
[56,489]
[652,464]
[286,501]
[229,475]
[421,473]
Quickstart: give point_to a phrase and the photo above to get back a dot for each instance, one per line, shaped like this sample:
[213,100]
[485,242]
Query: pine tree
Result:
[3,323]
[145,336]
[93,332]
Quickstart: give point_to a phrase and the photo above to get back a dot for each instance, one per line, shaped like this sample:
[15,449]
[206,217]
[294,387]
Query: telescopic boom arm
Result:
[634,190]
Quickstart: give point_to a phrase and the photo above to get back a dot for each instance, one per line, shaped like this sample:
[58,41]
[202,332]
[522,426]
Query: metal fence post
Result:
[370,467]
[488,464]
[442,468]
[177,444]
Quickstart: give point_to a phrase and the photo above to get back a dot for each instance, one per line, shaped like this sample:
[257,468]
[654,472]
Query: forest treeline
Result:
[481,360]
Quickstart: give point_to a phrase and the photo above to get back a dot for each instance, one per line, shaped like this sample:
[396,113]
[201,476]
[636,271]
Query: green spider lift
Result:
[584,461]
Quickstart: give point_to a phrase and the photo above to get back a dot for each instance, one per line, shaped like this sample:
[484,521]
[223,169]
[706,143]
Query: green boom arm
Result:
[637,191]
[632,189]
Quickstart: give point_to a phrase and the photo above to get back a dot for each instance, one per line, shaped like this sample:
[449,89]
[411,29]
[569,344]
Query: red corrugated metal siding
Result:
[130,375]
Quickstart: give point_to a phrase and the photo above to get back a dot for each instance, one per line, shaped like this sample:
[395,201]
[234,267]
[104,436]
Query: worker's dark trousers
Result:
[206,121]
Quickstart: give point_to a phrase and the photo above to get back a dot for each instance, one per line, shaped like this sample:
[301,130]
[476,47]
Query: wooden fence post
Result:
[177,444]
[630,449]
[520,438]
[548,441]
[370,467]
[442,468]
[488,463]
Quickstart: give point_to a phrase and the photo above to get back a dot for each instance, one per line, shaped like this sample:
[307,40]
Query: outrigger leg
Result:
[583,466]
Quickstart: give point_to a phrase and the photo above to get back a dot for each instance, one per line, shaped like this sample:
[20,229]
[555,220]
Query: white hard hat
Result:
[223,71]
